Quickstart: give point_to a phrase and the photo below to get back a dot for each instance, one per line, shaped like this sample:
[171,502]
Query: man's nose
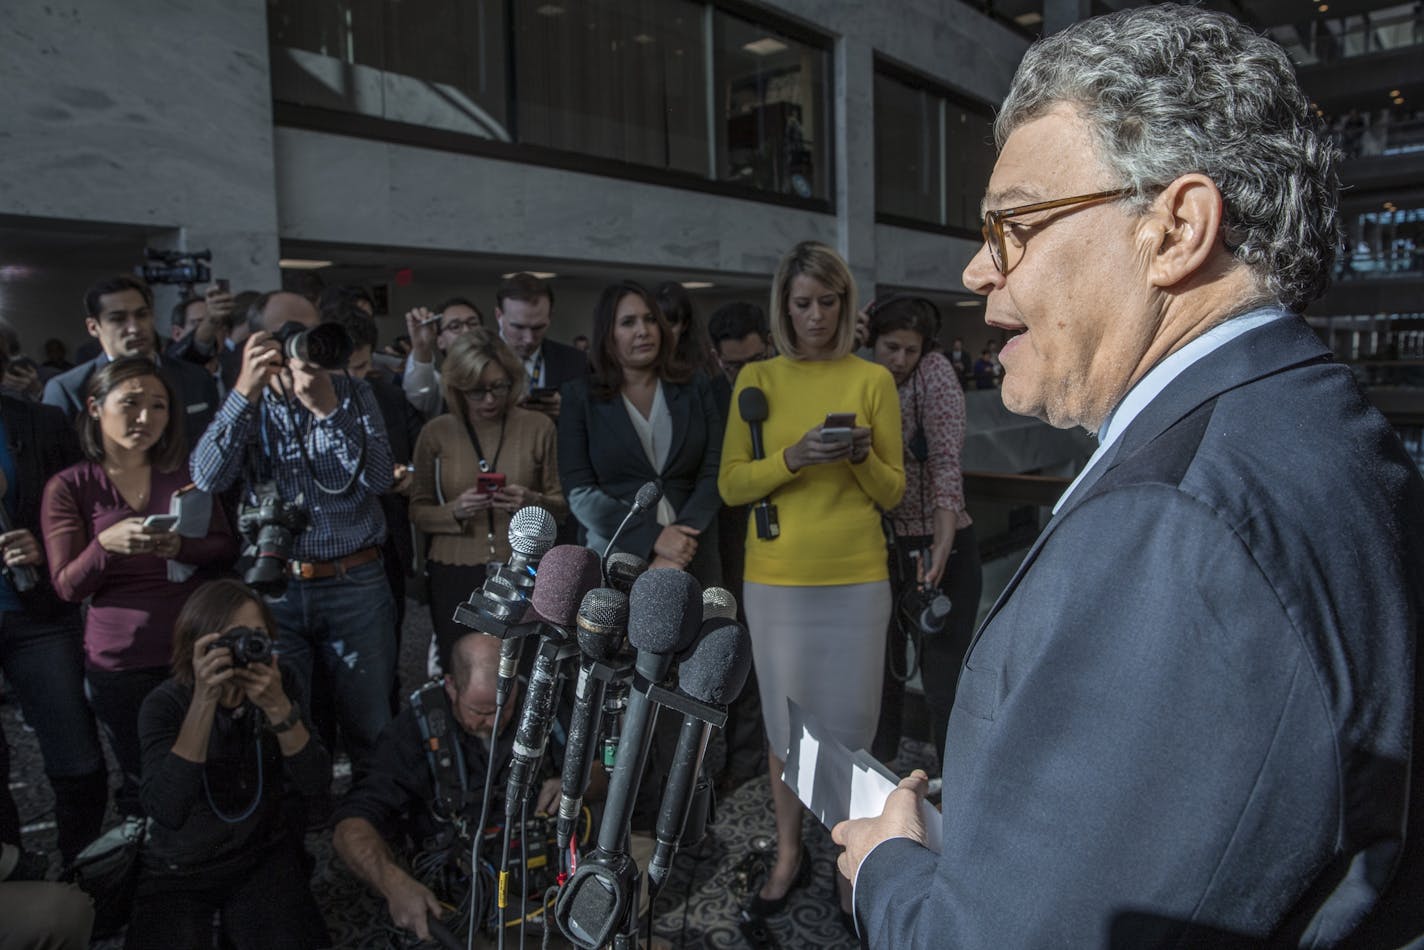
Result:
[980,275]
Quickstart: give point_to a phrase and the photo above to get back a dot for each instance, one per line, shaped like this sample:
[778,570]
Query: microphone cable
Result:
[479,833]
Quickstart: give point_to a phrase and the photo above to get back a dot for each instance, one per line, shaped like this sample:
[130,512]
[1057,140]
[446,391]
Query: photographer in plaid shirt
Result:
[317,436]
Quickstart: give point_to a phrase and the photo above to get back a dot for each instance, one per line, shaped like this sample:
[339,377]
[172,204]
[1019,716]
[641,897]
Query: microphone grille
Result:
[648,495]
[532,532]
[604,607]
[626,564]
[718,602]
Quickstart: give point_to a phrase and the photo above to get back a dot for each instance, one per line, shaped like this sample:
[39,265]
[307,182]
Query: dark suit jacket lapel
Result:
[679,403]
[609,419]
[1272,348]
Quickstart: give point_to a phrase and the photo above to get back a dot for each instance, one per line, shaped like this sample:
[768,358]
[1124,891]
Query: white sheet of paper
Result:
[836,783]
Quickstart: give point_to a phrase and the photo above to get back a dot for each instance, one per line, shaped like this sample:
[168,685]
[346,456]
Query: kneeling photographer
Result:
[308,442]
[935,566]
[225,743]
[422,798]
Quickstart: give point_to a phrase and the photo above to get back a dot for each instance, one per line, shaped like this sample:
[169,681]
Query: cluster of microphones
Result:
[636,641]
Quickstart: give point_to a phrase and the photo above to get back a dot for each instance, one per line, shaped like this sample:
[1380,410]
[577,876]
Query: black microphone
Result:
[713,674]
[566,574]
[664,615]
[648,496]
[754,409]
[623,569]
[602,625]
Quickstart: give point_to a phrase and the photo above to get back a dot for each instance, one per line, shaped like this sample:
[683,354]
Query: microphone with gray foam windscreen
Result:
[602,624]
[752,404]
[713,673]
[664,616]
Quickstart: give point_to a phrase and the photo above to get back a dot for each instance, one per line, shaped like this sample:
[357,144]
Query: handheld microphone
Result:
[602,625]
[623,569]
[648,497]
[754,409]
[718,602]
[566,574]
[664,615]
[713,673]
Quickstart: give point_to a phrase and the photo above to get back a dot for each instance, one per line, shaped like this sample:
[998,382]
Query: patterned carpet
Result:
[699,908]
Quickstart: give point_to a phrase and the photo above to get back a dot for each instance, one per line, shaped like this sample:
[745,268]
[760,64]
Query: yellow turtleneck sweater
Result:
[830,513]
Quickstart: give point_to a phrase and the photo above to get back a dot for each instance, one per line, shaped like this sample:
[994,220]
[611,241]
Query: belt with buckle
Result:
[313,570]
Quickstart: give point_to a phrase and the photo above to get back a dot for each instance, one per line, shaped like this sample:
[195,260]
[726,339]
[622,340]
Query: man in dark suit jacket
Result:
[1193,717]
[524,307]
[201,327]
[120,317]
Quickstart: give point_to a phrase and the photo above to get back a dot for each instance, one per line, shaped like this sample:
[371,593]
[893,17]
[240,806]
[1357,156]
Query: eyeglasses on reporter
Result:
[497,390]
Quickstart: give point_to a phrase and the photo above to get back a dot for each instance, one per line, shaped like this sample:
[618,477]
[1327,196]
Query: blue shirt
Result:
[268,437]
[1157,379]
[8,598]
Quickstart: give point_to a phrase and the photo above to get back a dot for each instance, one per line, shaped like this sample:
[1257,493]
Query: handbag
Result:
[108,870]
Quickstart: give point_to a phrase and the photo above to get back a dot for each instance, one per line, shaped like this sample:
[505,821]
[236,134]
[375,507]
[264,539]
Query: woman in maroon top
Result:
[98,547]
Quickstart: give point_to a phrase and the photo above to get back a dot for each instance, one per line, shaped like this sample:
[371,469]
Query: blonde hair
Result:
[823,264]
[465,362]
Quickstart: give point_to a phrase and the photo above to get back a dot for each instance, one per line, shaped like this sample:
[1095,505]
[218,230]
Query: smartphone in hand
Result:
[163,524]
[838,427]
[487,483]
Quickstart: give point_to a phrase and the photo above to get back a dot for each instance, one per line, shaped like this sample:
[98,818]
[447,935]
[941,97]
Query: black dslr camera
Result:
[270,528]
[326,345]
[928,607]
[175,267]
[248,645]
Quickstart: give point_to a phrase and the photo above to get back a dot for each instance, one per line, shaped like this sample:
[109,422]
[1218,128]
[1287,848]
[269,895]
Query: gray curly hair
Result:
[1170,89]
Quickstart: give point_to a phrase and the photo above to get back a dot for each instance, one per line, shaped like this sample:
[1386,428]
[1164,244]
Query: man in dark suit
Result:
[1193,717]
[120,318]
[524,307]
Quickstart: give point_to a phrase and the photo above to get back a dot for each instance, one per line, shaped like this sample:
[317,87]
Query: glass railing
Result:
[1326,39]
[1378,134]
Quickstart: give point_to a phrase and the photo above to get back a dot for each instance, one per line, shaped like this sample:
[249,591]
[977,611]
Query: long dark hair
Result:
[607,371]
[694,349]
[169,451]
[208,610]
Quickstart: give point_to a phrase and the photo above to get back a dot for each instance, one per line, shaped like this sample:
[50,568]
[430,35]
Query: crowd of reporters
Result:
[272,423]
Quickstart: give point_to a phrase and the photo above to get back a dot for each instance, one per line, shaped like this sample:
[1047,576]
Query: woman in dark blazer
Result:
[642,417]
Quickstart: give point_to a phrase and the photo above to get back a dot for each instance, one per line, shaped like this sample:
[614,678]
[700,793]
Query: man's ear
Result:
[450,690]
[92,325]
[1183,228]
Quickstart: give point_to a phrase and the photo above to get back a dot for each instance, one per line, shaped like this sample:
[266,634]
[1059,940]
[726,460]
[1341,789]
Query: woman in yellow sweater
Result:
[817,595]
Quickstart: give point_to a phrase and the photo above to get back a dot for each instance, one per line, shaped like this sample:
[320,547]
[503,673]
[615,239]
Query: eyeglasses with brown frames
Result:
[993,227]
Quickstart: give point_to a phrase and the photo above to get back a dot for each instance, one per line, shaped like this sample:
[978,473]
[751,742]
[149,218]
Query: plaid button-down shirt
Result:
[271,431]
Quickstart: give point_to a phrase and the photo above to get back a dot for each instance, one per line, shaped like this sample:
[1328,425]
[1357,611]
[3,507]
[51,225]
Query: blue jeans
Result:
[346,622]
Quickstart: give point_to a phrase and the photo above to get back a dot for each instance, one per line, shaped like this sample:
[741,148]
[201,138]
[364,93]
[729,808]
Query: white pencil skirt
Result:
[823,647]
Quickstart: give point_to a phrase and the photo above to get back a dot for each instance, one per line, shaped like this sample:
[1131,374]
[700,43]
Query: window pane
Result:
[436,63]
[622,79]
[774,123]
[907,151]
[969,154]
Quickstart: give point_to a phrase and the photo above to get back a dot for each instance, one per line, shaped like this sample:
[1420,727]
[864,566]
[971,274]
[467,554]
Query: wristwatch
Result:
[293,717]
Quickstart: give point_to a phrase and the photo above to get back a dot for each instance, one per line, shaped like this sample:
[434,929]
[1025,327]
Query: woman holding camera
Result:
[109,537]
[475,466]
[935,549]
[817,595]
[225,742]
[642,416]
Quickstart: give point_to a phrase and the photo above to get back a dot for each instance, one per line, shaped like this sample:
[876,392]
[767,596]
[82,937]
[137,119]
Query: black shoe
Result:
[760,906]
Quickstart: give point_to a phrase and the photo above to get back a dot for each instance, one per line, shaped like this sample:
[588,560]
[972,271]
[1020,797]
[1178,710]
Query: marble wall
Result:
[156,113]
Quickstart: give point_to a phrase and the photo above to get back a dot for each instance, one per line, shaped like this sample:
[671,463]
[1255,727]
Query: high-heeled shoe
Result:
[760,906]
